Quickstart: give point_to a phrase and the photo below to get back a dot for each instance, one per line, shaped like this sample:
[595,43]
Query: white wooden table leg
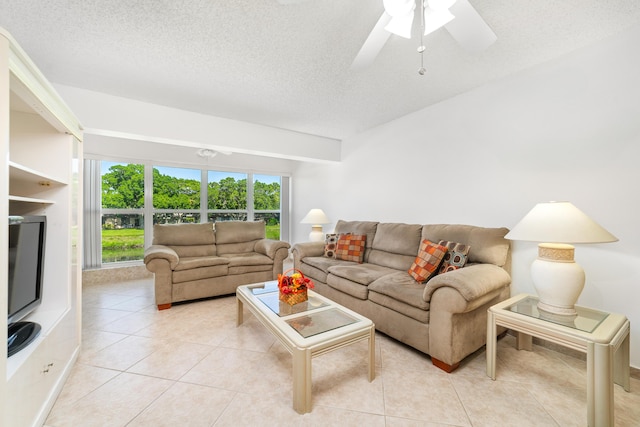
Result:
[302,381]
[239,316]
[622,371]
[524,341]
[372,354]
[602,385]
[491,345]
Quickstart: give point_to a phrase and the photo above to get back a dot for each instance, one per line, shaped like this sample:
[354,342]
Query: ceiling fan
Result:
[459,18]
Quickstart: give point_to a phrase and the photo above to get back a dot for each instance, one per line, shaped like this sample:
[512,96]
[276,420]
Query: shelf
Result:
[26,205]
[22,174]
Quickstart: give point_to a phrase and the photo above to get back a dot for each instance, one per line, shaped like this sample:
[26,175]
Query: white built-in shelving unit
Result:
[40,170]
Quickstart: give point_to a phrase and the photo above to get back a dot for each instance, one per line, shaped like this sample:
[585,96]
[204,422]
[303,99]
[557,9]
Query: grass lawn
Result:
[127,244]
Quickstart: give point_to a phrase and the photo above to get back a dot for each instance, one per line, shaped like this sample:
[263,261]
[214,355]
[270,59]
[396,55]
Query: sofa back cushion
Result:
[188,240]
[359,227]
[237,237]
[488,245]
[395,245]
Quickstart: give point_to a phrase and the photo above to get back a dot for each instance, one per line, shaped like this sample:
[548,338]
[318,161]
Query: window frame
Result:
[93,211]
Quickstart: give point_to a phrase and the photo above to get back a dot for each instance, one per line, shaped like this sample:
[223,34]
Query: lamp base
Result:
[558,279]
[316,234]
[551,312]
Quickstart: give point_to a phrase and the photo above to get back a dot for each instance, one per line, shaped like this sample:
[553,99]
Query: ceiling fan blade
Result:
[469,29]
[373,45]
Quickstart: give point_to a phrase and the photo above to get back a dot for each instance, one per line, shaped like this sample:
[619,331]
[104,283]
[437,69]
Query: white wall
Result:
[566,130]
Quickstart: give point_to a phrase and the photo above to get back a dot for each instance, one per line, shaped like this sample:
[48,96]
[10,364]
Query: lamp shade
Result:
[315,216]
[559,222]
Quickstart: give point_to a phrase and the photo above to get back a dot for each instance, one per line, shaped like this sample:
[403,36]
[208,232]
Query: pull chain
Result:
[422,48]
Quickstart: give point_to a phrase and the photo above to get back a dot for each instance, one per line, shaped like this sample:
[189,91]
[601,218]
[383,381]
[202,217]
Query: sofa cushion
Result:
[330,243]
[428,261]
[401,287]
[456,256]
[489,245]
[187,240]
[187,263]
[233,237]
[347,286]
[309,270]
[323,263]
[395,245]
[350,247]
[200,273]
[249,258]
[360,273]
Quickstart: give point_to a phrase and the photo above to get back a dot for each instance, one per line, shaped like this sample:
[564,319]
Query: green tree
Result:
[123,187]
[227,194]
[170,192]
[266,196]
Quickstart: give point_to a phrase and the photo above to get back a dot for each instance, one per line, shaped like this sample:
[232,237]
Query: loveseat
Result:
[192,261]
[446,317]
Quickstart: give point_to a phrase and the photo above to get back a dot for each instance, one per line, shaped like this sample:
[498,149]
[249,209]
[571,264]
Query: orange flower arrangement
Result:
[294,284]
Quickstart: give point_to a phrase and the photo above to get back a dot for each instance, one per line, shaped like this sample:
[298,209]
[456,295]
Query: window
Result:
[122,226]
[123,200]
[176,195]
[226,196]
[266,203]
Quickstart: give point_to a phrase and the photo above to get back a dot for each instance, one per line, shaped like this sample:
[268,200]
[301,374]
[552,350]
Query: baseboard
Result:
[101,276]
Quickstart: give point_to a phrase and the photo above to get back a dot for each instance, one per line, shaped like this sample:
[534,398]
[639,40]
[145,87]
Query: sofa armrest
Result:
[472,282]
[161,252]
[270,247]
[305,249]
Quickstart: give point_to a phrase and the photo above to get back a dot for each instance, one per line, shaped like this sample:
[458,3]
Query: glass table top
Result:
[321,321]
[587,319]
[307,325]
[282,309]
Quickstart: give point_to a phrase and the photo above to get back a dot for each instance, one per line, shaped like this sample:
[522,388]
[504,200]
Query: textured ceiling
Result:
[287,66]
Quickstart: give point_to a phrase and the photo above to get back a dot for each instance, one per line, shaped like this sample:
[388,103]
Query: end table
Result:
[604,337]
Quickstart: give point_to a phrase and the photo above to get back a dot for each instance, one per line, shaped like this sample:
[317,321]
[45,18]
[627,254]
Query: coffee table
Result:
[306,330]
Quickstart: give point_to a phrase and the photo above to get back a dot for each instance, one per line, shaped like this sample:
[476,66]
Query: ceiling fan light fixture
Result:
[206,153]
[435,19]
[401,12]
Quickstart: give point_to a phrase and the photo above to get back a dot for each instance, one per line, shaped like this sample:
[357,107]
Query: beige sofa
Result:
[192,261]
[446,317]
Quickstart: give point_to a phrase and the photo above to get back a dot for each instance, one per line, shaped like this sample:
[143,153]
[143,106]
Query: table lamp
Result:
[557,278]
[315,217]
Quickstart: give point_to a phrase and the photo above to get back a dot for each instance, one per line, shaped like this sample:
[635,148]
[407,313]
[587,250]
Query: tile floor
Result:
[191,366]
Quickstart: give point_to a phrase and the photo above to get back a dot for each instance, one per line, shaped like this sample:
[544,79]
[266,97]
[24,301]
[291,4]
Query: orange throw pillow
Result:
[350,247]
[428,261]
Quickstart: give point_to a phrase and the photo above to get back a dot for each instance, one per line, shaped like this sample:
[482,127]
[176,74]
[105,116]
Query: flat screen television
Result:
[26,268]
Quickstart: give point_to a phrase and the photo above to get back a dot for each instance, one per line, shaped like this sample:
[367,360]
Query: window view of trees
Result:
[123,186]
[176,188]
[266,203]
[122,219]
[176,199]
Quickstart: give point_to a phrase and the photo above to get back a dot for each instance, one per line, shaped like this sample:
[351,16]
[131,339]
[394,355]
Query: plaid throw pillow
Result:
[456,257]
[428,261]
[350,247]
